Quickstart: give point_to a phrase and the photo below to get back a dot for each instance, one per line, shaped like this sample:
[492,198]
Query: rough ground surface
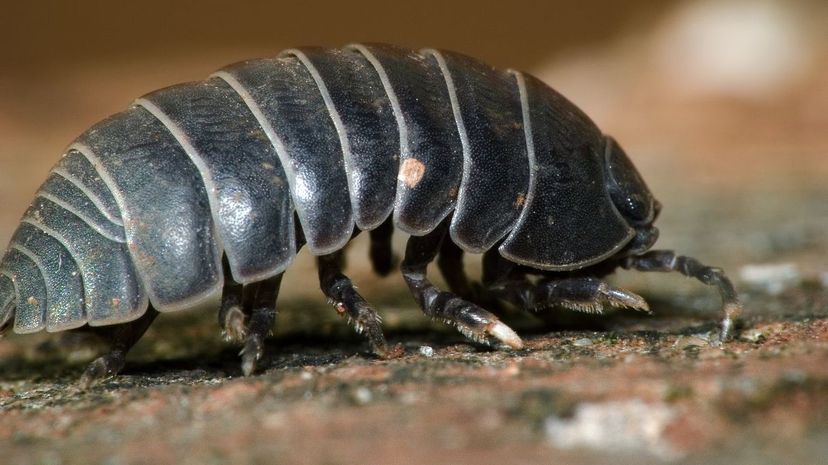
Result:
[648,387]
[743,181]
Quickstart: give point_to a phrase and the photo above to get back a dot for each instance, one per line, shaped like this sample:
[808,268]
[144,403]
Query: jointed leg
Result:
[347,301]
[381,252]
[503,281]
[667,260]
[471,320]
[584,294]
[507,282]
[262,315]
[121,338]
[450,264]
[231,315]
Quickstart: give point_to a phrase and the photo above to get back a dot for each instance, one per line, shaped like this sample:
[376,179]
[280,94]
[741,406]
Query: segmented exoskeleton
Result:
[210,187]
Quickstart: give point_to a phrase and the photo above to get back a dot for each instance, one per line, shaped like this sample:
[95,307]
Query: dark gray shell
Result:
[569,220]
[143,205]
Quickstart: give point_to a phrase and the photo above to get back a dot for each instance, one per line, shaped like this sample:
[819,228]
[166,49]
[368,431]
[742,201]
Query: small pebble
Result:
[427,351]
[752,335]
[583,342]
[684,342]
[363,395]
[771,278]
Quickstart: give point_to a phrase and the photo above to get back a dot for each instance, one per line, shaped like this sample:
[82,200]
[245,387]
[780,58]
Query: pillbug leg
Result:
[231,316]
[381,253]
[667,260]
[472,321]
[503,281]
[262,315]
[121,338]
[450,264]
[584,294]
[347,302]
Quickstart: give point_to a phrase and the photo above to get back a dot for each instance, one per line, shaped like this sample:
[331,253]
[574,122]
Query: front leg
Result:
[667,260]
[471,320]
[450,264]
[585,294]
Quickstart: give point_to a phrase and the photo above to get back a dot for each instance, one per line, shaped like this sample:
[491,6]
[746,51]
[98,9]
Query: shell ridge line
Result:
[275,141]
[402,127]
[336,119]
[96,201]
[11,275]
[464,140]
[520,81]
[5,318]
[72,210]
[39,265]
[203,170]
[62,241]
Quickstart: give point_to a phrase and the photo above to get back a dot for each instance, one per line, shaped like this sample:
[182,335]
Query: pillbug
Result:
[212,187]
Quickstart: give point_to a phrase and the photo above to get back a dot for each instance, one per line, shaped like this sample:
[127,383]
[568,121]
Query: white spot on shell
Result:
[411,172]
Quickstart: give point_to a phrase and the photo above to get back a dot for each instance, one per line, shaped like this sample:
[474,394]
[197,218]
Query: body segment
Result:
[245,182]
[288,104]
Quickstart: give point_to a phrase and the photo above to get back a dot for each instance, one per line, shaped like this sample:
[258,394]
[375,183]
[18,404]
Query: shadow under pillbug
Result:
[212,187]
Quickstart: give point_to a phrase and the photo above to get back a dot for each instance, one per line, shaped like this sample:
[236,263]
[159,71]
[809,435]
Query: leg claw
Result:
[623,298]
[251,354]
[480,325]
[504,334]
[100,369]
[234,326]
[732,310]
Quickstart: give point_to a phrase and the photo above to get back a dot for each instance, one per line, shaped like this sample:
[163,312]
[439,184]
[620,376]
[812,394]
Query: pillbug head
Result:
[627,189]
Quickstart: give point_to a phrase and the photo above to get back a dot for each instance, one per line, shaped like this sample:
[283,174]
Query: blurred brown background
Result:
[722,105]
[722,95]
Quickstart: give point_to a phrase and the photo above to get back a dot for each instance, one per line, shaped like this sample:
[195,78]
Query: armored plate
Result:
[30,289]
[112,290]
[287,103]
[8,296]
[431,153]
[247,187]
[486,105]
[75,168]
[626,186]
[368,132]
[568,220]
[164,206]
[64,287]
[73,199]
